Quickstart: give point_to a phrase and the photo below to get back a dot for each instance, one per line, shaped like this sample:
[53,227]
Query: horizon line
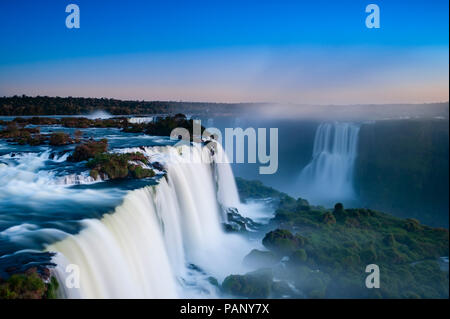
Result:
[229,103]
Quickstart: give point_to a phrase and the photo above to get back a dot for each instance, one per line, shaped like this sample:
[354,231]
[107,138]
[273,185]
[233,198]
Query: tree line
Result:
[45,105]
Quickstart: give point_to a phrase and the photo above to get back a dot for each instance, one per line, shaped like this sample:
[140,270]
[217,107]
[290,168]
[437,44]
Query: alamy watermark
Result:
[73,278]
[373,280]
[262,145]
[73,19]
[373,19]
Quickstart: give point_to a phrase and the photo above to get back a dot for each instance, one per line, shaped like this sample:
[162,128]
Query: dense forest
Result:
[44,105]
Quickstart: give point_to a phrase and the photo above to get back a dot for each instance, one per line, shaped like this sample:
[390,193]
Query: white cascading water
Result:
[140,120]
[227,191]
[142,249]
[329,176]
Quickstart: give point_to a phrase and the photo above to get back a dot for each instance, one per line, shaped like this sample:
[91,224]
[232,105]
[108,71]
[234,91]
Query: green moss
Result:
[94,174]
[329,219]
[139,172]
[252,285]
[331,262]
[52,288]
[298,257]
[283,241]
[255,190]
[113,165]
[257,258]
[117,166]
[89,150]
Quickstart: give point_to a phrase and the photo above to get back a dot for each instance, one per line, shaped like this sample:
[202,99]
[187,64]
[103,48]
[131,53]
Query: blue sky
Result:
[275,51]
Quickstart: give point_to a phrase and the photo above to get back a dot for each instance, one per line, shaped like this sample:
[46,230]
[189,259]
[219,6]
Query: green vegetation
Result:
[60,138]
[257,258]
[88,150]
[70,122]
[44,105]
[252,285]
[22,135]
[283,242]
[255,190]
[117,166]
[29,285]
[16,132]
[110,165]
[325,253]
[163,126]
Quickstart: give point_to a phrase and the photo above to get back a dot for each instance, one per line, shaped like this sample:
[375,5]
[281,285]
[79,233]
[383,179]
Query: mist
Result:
[356,112]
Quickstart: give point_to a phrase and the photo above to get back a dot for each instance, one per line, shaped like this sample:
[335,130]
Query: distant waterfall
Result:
[329,176]
[142,249]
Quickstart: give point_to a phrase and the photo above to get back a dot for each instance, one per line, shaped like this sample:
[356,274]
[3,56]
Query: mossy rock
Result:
[94,174]
[282,241]
[258,258]
[139,172]
[117,166]
[88,150]
[257,284]
[298,257]
[281,289]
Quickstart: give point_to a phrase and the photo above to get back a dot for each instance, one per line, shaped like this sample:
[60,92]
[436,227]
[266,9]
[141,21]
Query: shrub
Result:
[329,219]
[23,286]
[298,257]
[60,138]
[283,241]
[88,150]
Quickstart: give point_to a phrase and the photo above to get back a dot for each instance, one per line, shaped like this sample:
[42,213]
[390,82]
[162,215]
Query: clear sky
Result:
[232,51]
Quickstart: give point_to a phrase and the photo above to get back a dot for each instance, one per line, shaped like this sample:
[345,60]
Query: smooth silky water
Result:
[157,238]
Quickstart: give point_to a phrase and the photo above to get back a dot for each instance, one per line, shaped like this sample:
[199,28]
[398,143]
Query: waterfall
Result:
[328,178]
[145,247]
[227,190]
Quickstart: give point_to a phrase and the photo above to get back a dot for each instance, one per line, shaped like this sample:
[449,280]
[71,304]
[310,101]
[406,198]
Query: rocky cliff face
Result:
[402,168]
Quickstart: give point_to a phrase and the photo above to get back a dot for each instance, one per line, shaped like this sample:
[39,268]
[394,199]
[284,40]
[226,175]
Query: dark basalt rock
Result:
[258,258]
[159,166]
[237,223]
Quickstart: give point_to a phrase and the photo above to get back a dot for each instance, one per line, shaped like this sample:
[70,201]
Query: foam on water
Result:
[163,240]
